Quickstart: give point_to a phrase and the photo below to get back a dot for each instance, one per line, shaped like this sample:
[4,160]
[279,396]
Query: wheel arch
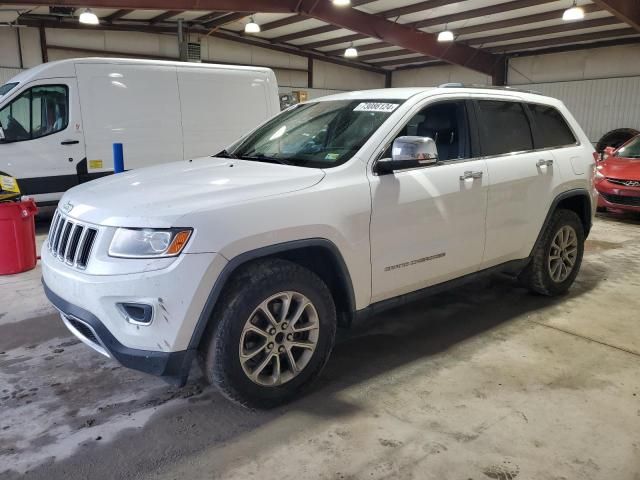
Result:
[577,200]
[319,255]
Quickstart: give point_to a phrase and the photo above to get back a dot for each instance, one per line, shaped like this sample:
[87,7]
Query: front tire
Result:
[557,256]
[274,329]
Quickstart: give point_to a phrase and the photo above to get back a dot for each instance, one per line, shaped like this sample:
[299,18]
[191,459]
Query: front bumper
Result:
[617,197]
[172,366]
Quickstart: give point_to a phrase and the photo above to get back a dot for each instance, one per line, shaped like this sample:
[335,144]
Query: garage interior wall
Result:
[290,70]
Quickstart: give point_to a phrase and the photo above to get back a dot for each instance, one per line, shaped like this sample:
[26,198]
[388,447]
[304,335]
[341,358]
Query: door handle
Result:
[69,142]
[470,175]
[544,163]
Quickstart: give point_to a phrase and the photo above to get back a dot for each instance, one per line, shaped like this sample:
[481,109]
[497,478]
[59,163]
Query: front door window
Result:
[37,112]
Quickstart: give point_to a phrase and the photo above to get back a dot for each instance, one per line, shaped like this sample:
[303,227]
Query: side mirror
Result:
[1,134]
[409,152]
[609,151]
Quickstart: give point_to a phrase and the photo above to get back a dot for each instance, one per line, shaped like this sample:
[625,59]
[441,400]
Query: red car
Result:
[617,177]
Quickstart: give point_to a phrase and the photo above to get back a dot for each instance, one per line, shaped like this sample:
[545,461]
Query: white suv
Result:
[335,208]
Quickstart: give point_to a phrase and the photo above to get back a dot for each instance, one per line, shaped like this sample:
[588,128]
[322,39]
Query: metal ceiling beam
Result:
[301,18]
[264,6]
[335,41]
[579,46]
[306,33]
[536,32]
[361,48]
[404,61]
[164,16]
[479,12]
[394,12]
[461,16]
[401,36]
[392,53]
[626,10]
[226,19]
[486,27]
[521,21]
[570,39]
[117,14]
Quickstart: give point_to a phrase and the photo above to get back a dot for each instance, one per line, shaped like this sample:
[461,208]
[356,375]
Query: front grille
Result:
[71,241]
[625,183]
[622,200]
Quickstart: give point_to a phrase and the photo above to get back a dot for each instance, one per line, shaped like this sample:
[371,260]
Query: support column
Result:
[43,44]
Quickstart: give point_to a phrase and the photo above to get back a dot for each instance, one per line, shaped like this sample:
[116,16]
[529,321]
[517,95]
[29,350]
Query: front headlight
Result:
[148,242]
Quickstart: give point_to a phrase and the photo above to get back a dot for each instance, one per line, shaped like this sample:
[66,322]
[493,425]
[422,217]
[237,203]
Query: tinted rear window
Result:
[504,128]
[552,129]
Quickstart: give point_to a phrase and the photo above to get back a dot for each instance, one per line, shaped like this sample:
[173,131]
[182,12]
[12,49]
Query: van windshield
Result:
[317,135]
[6,88]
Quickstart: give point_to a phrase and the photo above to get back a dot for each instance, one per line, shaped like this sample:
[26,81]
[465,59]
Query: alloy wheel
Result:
[563,254]
[279,338]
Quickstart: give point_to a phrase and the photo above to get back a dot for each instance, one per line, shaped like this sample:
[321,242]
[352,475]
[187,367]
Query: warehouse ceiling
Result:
[388,34]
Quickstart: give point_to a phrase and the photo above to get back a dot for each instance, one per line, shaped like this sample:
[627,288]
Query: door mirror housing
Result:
[409,152]
[1,134]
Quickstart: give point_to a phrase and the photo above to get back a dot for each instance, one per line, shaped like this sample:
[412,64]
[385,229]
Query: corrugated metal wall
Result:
[7,73]
[598,105]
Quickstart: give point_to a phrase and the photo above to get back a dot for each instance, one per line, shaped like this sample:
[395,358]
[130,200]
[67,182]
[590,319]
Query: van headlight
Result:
[148,242]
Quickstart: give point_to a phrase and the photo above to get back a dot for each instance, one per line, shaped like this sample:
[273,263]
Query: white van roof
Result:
[66,68]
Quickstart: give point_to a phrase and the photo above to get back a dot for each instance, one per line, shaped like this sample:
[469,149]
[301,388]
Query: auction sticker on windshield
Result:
[376,107]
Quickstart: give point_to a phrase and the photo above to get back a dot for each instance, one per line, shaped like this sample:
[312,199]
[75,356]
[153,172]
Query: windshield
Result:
[630,149]
[4,89]
[318,135]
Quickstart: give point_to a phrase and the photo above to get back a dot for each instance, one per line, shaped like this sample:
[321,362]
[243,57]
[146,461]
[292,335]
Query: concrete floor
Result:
[483,382]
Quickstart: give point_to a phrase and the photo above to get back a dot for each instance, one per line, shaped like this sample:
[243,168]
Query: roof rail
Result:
[486,87]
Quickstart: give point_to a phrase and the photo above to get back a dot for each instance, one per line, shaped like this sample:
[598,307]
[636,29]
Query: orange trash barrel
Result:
[17,236]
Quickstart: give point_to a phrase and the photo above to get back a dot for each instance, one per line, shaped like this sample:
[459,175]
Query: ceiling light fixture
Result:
[88,17]
[445,35]
[341,3]
[252,27]
[573,13]
[351,52]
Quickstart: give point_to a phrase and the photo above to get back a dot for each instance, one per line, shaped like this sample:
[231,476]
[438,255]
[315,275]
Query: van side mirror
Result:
[1,134]
[409,152]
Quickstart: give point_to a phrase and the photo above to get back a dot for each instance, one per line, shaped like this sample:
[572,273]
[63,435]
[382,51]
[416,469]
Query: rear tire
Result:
[557,256]
[271,334]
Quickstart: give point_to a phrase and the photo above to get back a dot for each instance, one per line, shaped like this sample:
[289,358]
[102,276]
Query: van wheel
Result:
[274,329]
[557,256]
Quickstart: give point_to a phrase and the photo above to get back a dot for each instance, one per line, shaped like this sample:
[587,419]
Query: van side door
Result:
[523,179]
[428,223]
[43,143]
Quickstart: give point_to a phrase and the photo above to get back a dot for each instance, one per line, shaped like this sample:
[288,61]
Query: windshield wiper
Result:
[264,158]
[225,154]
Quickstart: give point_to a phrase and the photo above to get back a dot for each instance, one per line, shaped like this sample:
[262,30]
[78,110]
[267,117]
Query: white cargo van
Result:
[59,120]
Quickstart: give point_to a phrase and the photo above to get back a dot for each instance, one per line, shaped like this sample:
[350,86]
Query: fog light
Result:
[137,313]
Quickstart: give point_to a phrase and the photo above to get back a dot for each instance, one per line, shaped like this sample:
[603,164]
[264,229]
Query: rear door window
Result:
[551,127]
[504,127]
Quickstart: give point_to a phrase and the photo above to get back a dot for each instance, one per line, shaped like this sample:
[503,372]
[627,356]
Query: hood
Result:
[157,196]
[621,168]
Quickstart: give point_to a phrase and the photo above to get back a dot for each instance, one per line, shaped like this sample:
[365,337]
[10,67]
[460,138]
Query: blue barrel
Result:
[118,158]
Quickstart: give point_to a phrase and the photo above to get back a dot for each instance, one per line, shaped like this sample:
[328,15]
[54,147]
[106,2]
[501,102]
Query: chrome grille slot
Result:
[72,248]
[71,241]
[64,238]
[85,248]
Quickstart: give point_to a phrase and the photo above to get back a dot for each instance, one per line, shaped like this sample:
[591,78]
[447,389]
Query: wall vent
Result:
[193,52]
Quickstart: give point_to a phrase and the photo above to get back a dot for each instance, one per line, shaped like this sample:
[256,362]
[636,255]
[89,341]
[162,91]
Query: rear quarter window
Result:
[551,128]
